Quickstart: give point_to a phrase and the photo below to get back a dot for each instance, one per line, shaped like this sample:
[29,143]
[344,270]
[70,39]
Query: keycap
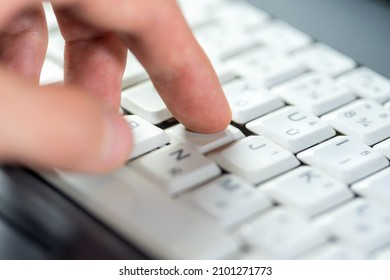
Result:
[282,37]
[324,59]
[360,224]
[134,72]
[307,190]
[344,158]
[282,233]
[375,187]
[242,14]
[368,84]
[248,100]
[314,92]
[222,40]
[144,101]
[267,66]
[230,200]
[204,143]
[133,206]
[255,159]
[292,128]
[146,137]
[365,120]
[51,73]
[384,148]
[177,168]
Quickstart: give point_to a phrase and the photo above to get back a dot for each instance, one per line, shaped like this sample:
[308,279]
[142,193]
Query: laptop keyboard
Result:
[301,172]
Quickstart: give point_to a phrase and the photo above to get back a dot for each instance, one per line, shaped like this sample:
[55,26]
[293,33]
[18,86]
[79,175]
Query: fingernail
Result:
[117,140]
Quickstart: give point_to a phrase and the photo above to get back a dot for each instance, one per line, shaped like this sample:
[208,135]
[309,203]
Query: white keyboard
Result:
[301,173]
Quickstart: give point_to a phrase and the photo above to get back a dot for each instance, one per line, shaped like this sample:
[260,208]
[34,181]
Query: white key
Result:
[283,234]
[266,66]
[282,73]
[177,168]
[249,101]
[204,143]
[222,40]
[344,158]
[375,187]
[144,101]
[361,224]
[283,37]
[368,84]
[292,128]
[255,158]
[325,60]
[365,120]
[146,137]
[384,148]
[51,73]
[315,92]
[242,14]
[333,251]
[230,200]
[134,72]
[308,190]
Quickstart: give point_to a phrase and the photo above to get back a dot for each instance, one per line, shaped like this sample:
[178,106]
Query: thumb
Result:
[59,127]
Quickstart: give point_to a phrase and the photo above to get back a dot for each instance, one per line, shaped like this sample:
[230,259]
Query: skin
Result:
[76,126]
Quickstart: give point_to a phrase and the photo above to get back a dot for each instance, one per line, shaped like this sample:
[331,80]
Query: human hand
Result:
[67,127]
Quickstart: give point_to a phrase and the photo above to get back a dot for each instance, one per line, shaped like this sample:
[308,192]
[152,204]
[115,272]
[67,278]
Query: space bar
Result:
[146,216]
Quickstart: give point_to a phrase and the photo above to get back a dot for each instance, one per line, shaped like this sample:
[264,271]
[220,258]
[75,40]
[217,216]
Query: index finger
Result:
[158,35]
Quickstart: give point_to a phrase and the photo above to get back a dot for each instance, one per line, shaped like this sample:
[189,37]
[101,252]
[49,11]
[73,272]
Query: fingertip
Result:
[216,121]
